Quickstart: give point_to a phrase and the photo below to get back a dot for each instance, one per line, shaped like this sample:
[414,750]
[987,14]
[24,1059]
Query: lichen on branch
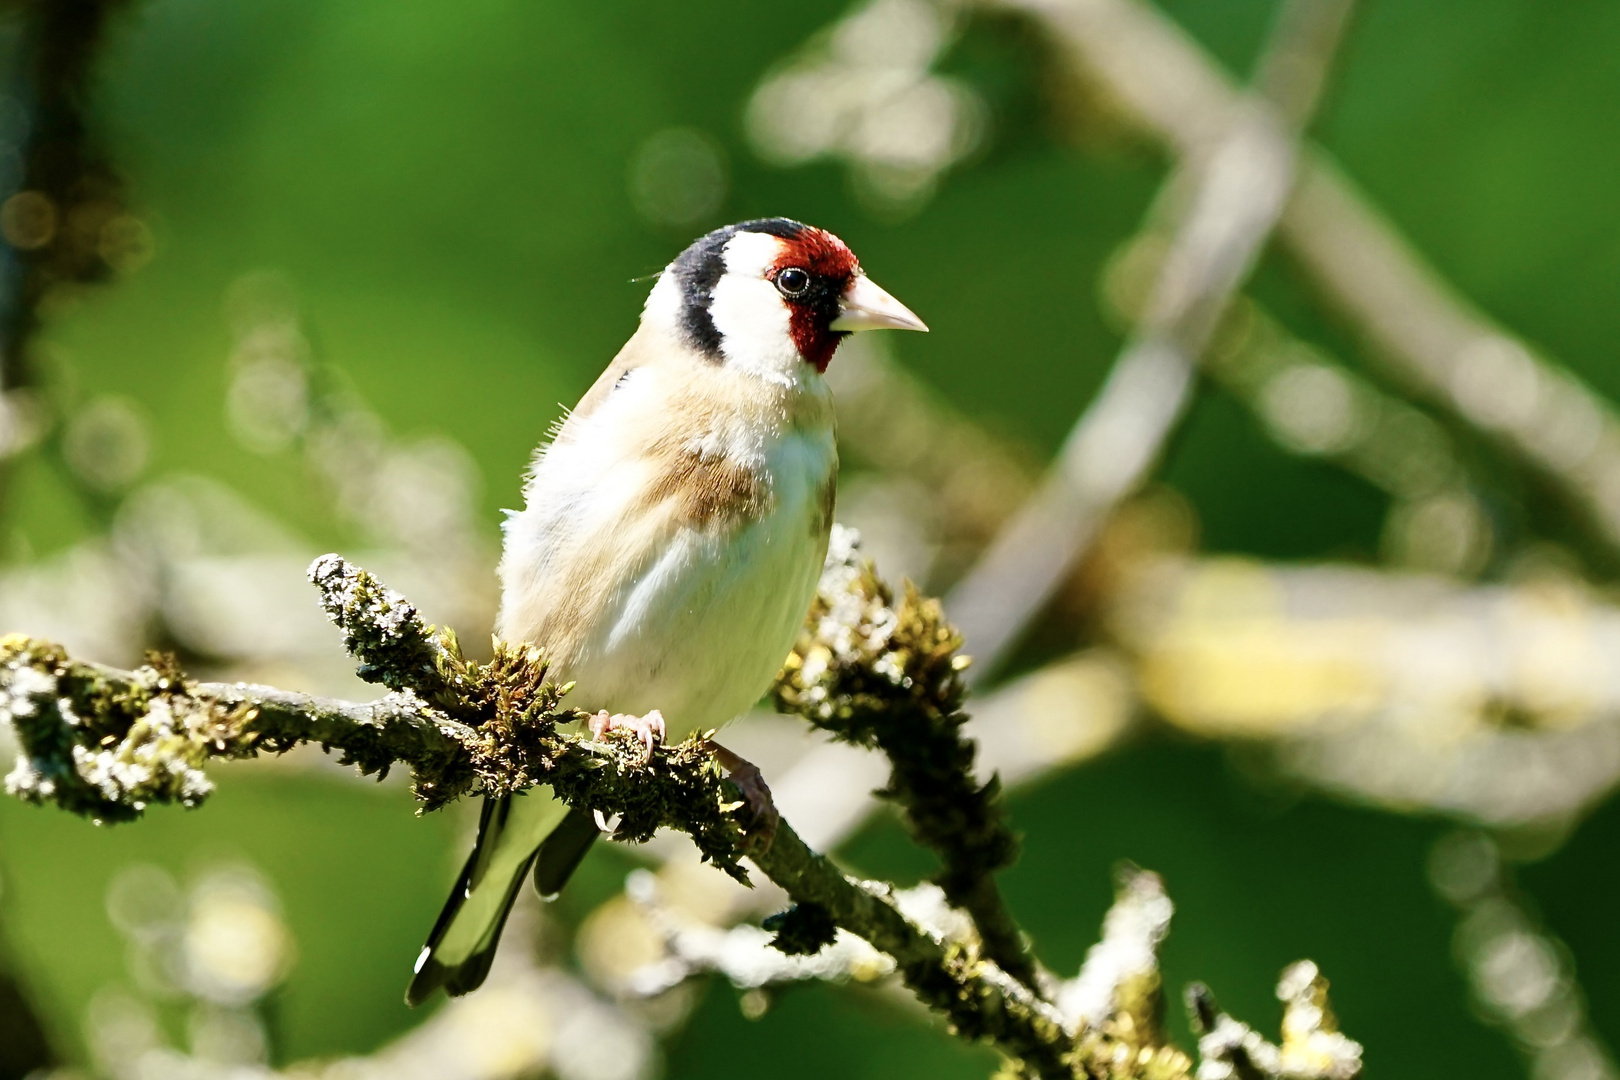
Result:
[107,743]
[101,745]
[888,676]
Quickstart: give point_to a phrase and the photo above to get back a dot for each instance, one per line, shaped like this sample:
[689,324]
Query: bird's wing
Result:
[634,354]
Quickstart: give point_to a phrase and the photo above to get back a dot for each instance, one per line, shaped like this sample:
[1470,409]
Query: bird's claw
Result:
[751,782]
[649,729]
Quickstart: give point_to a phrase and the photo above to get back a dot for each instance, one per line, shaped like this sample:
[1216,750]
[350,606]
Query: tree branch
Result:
[108,743]
[979,999]
[888,677]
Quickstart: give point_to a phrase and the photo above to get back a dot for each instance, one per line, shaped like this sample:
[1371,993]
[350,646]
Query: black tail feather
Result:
[468,974]
[563,851]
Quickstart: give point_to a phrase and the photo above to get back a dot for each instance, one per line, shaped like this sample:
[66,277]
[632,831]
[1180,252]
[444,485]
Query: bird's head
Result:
[771,296]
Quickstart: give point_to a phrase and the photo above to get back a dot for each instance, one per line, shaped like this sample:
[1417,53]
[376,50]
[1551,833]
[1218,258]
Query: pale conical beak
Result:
[865,306]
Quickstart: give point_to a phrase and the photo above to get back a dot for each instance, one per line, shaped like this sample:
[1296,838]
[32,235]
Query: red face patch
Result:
[830,265]
[819,252]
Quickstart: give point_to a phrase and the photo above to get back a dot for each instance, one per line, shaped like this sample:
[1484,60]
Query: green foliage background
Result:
[445,185]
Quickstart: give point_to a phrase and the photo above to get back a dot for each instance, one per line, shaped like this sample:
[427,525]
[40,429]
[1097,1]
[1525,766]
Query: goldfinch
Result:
[673,532]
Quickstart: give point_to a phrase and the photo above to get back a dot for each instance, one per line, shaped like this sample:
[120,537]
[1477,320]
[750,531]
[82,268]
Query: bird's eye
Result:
[793,282]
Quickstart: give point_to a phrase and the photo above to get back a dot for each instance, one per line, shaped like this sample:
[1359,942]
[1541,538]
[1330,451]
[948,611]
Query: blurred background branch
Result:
[1413,321]
[1222,204]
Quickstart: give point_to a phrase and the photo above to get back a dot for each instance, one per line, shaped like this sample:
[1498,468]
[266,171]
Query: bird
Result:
[674,527]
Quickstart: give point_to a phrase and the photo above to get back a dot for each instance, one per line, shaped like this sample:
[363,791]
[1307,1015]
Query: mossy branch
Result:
[888,676]
[980,1001]
[107,743]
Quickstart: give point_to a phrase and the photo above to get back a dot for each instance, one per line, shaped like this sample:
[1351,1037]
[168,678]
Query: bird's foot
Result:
[649,729]
[746,775]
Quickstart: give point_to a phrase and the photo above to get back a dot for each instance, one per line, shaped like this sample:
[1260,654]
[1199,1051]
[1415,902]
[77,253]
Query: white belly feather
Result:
[703,630]
[688,618]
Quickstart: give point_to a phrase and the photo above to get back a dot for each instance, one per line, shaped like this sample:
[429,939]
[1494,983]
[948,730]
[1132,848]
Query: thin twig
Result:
[1237,193]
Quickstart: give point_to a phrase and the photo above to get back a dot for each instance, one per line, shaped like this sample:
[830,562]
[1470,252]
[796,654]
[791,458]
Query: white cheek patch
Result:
[753,320]
[754,324]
